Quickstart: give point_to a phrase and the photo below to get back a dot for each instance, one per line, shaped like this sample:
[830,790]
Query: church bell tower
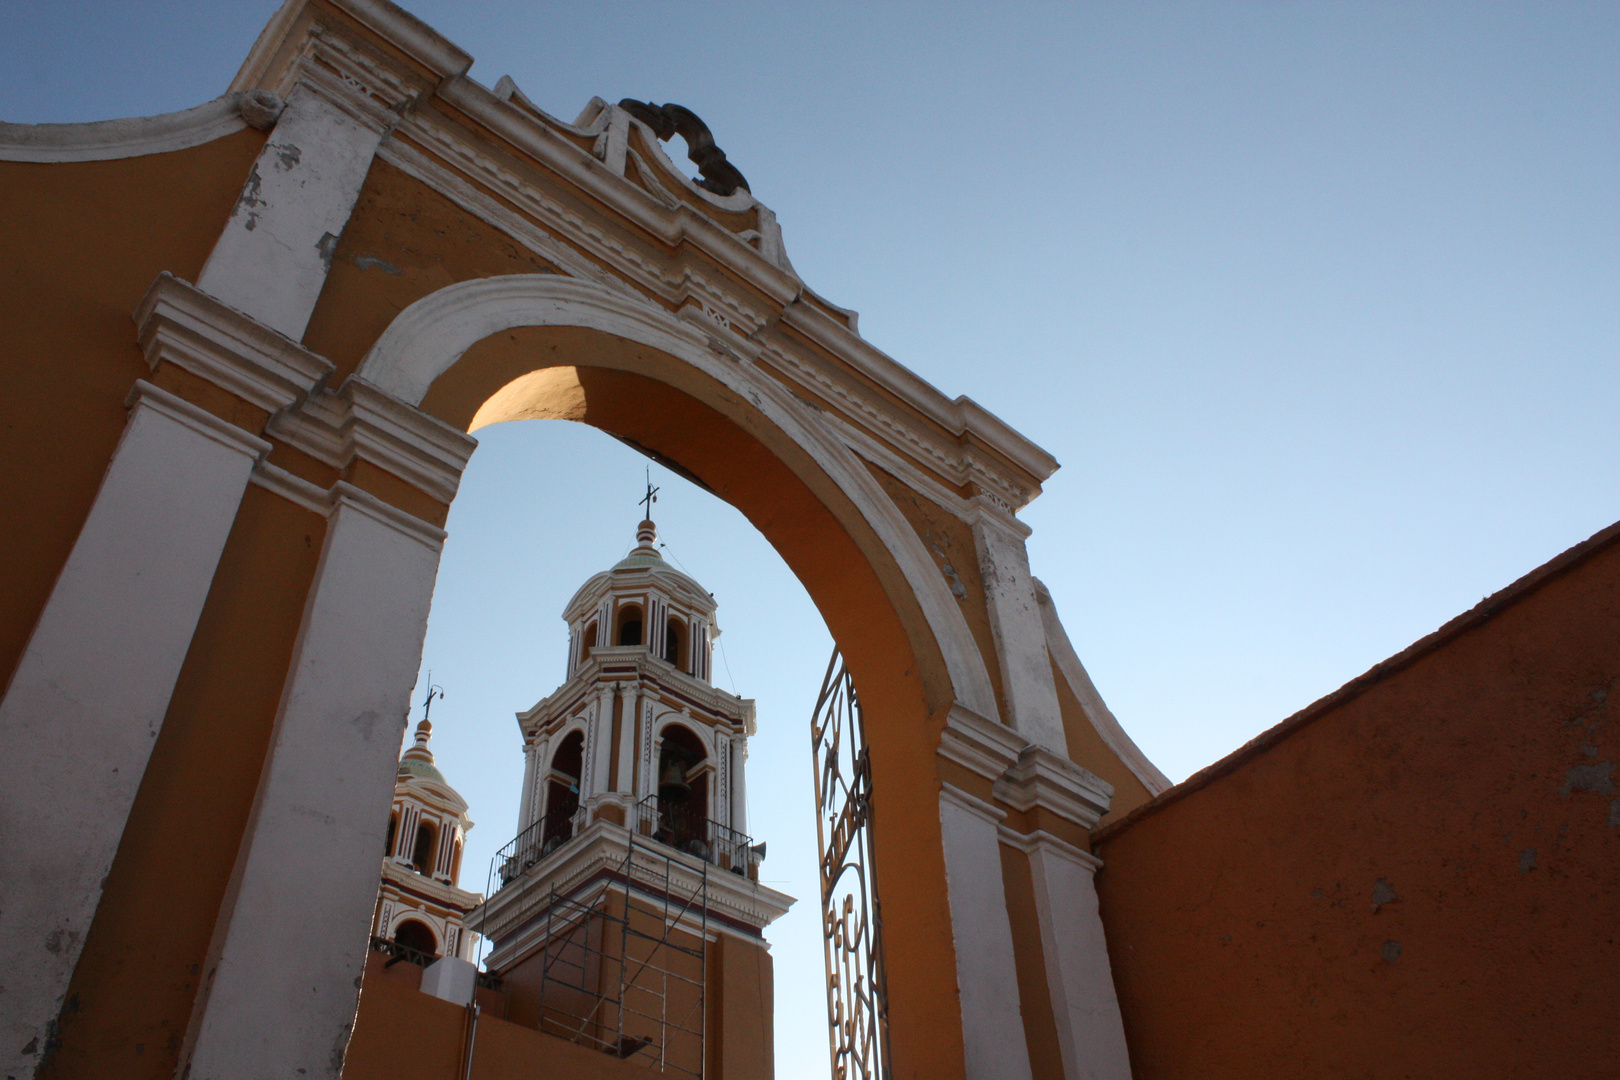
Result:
[627,914]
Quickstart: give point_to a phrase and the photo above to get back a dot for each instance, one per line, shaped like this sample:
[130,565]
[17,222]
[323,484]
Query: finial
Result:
[424,732]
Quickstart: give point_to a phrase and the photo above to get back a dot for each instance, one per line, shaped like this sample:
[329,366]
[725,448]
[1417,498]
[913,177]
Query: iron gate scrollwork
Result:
[851,922]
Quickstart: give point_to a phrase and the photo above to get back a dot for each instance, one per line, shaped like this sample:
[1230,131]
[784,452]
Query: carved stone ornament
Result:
[260,109]
[719,175]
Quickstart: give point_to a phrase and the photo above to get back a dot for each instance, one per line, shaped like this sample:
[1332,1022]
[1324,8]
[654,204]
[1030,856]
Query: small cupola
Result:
[644,604]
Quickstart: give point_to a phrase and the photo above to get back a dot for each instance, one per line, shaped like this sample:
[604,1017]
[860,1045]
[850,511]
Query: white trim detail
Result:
[1102,719]
[180,324]
[272,258]
[427,338]
[93,685]
[1015,624]
[319,810]
[986,970]
[1079,977]
[105,140]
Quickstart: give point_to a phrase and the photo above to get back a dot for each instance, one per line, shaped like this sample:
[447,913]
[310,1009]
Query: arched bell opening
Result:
[628,623]
[417,936]
[684,772]
[675,639]
[425,847]
[562,792]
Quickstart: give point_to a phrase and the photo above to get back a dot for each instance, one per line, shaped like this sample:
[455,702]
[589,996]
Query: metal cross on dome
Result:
[651,496]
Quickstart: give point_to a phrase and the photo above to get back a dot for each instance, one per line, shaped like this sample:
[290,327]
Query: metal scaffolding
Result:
[615,973]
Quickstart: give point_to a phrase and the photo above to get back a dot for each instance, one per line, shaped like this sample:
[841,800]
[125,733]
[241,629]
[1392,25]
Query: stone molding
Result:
[985,811]
[105,140]
[360,421]
[601,848]
[1097,712]
[1042,778]
[637,664]
[179,323]
[1041,840]
[196,418]
[425,339]
[1023,775]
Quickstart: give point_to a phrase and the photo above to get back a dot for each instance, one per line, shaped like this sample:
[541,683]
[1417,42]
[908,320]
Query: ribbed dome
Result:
[418,760]
[646,557]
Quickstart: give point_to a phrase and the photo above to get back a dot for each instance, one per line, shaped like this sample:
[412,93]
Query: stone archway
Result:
[243,564]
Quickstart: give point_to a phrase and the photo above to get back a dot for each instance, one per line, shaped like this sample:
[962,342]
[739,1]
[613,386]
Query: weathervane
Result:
[651,496]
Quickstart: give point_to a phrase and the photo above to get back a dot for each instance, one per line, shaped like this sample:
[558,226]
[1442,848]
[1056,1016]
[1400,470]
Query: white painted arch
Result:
[427,338]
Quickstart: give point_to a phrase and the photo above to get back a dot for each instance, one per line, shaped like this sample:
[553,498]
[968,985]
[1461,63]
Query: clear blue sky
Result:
[1318,305]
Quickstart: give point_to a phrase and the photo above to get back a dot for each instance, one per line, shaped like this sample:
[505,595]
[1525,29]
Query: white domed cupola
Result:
[643,604]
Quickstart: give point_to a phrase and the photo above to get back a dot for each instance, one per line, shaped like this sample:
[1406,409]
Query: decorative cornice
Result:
[982,745]
[361,421]
[106,140]
[1042,778]
[364,502]
[180,324]
[405,440]
[1023,775]
[636,662]
[601,848]
[972,804]
[1041,840]
[407,879]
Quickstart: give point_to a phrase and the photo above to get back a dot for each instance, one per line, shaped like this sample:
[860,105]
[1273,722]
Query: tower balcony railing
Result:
[675,825]
[669,823]
[536,842]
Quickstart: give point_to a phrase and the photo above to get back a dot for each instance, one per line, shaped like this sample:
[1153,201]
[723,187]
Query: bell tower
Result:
[627,914]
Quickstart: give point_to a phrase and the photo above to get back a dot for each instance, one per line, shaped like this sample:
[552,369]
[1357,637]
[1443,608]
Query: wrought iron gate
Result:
[851,922]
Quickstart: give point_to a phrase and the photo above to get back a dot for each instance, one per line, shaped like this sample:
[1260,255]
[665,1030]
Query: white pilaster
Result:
[1015,623]
[721,811]
[537,781]
[986,970]
[625,781]
[272,259]
[739,784]
[89,695]
[287,1010]
[1091,1034]
[526,797]
[598,739]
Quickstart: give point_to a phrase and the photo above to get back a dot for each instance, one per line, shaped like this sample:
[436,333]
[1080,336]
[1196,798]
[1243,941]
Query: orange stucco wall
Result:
[401,1033]
[82,243]
[1417,877]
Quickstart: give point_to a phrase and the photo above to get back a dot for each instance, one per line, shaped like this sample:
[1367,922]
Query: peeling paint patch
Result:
[1527,860]
[1391,951]
[288,154]
[1382,894]
[58,939]
[326,246]
[366,262]
[1596,777]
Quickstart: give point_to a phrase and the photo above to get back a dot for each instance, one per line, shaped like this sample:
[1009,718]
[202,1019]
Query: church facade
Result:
[248,347]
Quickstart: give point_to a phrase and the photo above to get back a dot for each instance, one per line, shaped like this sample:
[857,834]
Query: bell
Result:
[672,785]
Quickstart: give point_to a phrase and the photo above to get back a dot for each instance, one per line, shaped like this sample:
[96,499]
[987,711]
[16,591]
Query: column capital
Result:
[179,323]
[1042,778]
[361,422]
